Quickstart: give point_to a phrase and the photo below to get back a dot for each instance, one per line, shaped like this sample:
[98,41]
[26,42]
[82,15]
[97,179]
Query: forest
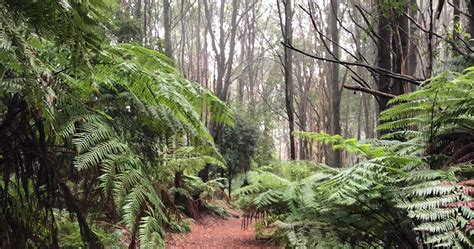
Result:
[297,123]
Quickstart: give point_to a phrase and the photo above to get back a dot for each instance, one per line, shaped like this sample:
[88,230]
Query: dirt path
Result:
[216,232]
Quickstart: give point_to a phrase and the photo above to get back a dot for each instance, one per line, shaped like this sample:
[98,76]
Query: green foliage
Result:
[387,6]
[251,135]
[325,205]
[191,160]
[441,113]
[338,142]
[86,126]
[70,235]
[416,187]
[442,206]
[238,145]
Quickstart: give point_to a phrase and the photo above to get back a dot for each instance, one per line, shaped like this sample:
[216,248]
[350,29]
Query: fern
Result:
[338,142]
[93,104]
[439,116]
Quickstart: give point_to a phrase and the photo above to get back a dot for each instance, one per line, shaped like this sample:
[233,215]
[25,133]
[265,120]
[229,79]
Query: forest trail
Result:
[217,232]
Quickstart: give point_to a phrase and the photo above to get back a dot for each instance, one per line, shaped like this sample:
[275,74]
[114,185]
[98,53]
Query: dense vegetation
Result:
[414,190]
[98,130]
[114,130]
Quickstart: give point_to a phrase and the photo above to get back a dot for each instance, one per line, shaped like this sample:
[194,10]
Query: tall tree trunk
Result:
[221,55]
[224,66]
[251,70]
[470,26]
[335,90]
[288,70]
[359,118]
[241,80]
[383,54]
[369,122]
[456,22]
[138,8]
[429,38]
[145,22]
[412,49]
[198,47]
[230,61]
[303,105]
[400,43]
[167,28]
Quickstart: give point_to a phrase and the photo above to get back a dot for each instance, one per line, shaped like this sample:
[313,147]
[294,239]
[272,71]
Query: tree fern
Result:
[85,107]
[436,200]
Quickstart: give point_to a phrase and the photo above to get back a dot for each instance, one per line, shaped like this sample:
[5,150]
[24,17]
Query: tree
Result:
[383,52]
[335,85]
[287,34]
[224,59]
[167,28]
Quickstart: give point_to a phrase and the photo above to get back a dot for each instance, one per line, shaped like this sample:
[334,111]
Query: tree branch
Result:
[369,91]
[378,70]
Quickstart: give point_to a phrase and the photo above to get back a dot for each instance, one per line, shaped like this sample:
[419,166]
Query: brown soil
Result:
[217,232]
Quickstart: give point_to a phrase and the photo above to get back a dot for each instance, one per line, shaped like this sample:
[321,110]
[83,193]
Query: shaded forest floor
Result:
[217,232]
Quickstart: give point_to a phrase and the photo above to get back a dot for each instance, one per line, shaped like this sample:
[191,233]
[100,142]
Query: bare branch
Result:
[378,70]
[368,90]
